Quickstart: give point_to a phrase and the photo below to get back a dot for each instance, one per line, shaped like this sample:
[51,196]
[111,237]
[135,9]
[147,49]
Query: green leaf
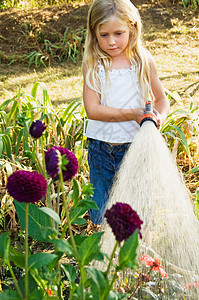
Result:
[5,104]
[127,252]
[35,295]
[70,272]
[75,194]
[75,213]
[98,283]
[46,101]
[82,207]
[1,146]
[87,203]
[194,170]
[90,248]
[79,221]
[48,233]
[31,283]
[50,212]
[39,260]
[18,258]
[197,204]
[7,145]
[183,138]
[36,219]
[5,246]
[88,189]
[9,295]
[63,246]
[13,113]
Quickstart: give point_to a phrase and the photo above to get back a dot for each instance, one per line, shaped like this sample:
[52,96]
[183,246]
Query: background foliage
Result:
[41,3]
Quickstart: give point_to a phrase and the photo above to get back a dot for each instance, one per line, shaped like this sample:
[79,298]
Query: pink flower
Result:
[155,264]
[191,285]
[50,294]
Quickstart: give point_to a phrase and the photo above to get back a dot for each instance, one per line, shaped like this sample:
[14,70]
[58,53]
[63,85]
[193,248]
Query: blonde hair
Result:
[99,13]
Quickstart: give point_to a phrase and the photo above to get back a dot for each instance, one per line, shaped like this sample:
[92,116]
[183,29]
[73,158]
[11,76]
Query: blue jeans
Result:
[104,160]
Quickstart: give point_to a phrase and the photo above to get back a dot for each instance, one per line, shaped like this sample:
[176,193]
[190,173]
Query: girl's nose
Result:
[111,41]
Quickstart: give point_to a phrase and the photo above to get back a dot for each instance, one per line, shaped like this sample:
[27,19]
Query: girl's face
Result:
[113,37]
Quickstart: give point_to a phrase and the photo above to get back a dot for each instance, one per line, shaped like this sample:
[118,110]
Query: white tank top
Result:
[120,90]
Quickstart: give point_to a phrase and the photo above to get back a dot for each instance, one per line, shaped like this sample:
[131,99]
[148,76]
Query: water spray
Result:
[148,113]
[149,181]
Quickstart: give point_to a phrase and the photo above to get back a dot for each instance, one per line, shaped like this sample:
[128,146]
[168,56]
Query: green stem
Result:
[15,280]
[67,215]
[138,284]
[111,258]
[71,233]
[43,155]
[38,160]
[48,195]
[26,251]
[82,281]
[110,286]
[58,197]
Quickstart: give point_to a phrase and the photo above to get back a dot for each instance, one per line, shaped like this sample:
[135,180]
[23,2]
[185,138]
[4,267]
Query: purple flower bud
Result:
[52,163]
[26,186]
[123,221]
[36,129]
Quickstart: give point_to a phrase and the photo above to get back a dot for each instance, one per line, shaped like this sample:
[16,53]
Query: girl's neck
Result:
[120,63]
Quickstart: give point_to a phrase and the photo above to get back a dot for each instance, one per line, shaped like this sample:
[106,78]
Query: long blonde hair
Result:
[99,13]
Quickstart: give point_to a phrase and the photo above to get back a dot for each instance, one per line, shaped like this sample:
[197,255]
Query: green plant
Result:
[187,3]
[36,58]
[44,224]
[181,128]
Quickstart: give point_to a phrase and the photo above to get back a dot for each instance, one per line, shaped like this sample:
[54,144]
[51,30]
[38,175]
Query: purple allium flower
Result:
[123,221]
[36,129]
[26,186]
[52,163]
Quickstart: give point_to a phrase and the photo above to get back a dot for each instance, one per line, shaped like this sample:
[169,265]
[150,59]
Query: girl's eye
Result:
[103,35]
[118,33]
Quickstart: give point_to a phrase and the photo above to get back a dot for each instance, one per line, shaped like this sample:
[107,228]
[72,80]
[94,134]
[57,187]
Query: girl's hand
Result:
[138,113]
[159,118]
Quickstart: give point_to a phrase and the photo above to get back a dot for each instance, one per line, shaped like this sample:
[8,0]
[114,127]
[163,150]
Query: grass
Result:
[64,81]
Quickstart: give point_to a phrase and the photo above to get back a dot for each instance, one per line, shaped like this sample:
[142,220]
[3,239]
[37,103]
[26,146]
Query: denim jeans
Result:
[104,160]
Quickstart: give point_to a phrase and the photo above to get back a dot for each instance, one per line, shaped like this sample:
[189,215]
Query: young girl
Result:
[119,76]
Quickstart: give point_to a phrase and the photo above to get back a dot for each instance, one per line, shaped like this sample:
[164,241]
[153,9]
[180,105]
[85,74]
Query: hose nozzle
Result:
[148,114]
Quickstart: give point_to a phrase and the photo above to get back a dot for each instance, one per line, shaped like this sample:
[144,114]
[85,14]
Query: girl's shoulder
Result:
[149,57]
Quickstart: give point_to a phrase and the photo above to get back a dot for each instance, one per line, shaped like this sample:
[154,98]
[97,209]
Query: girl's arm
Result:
[161,102]
[96,111]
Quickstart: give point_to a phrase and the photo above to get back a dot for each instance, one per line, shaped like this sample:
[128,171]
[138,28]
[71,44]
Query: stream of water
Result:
[150,182]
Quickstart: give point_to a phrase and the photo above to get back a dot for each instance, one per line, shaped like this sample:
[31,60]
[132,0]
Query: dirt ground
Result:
[171,33]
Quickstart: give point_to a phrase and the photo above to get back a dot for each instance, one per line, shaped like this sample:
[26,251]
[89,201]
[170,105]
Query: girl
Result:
[119,76]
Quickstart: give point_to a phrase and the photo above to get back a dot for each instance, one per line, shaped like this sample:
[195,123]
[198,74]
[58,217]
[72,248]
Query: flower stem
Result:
[43,155]
[67,214]
[82,281]
[58,197]
[38,160]
[111,258]
[110,286]
[71,233]
[26,250]
[138,284]
[15,280]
